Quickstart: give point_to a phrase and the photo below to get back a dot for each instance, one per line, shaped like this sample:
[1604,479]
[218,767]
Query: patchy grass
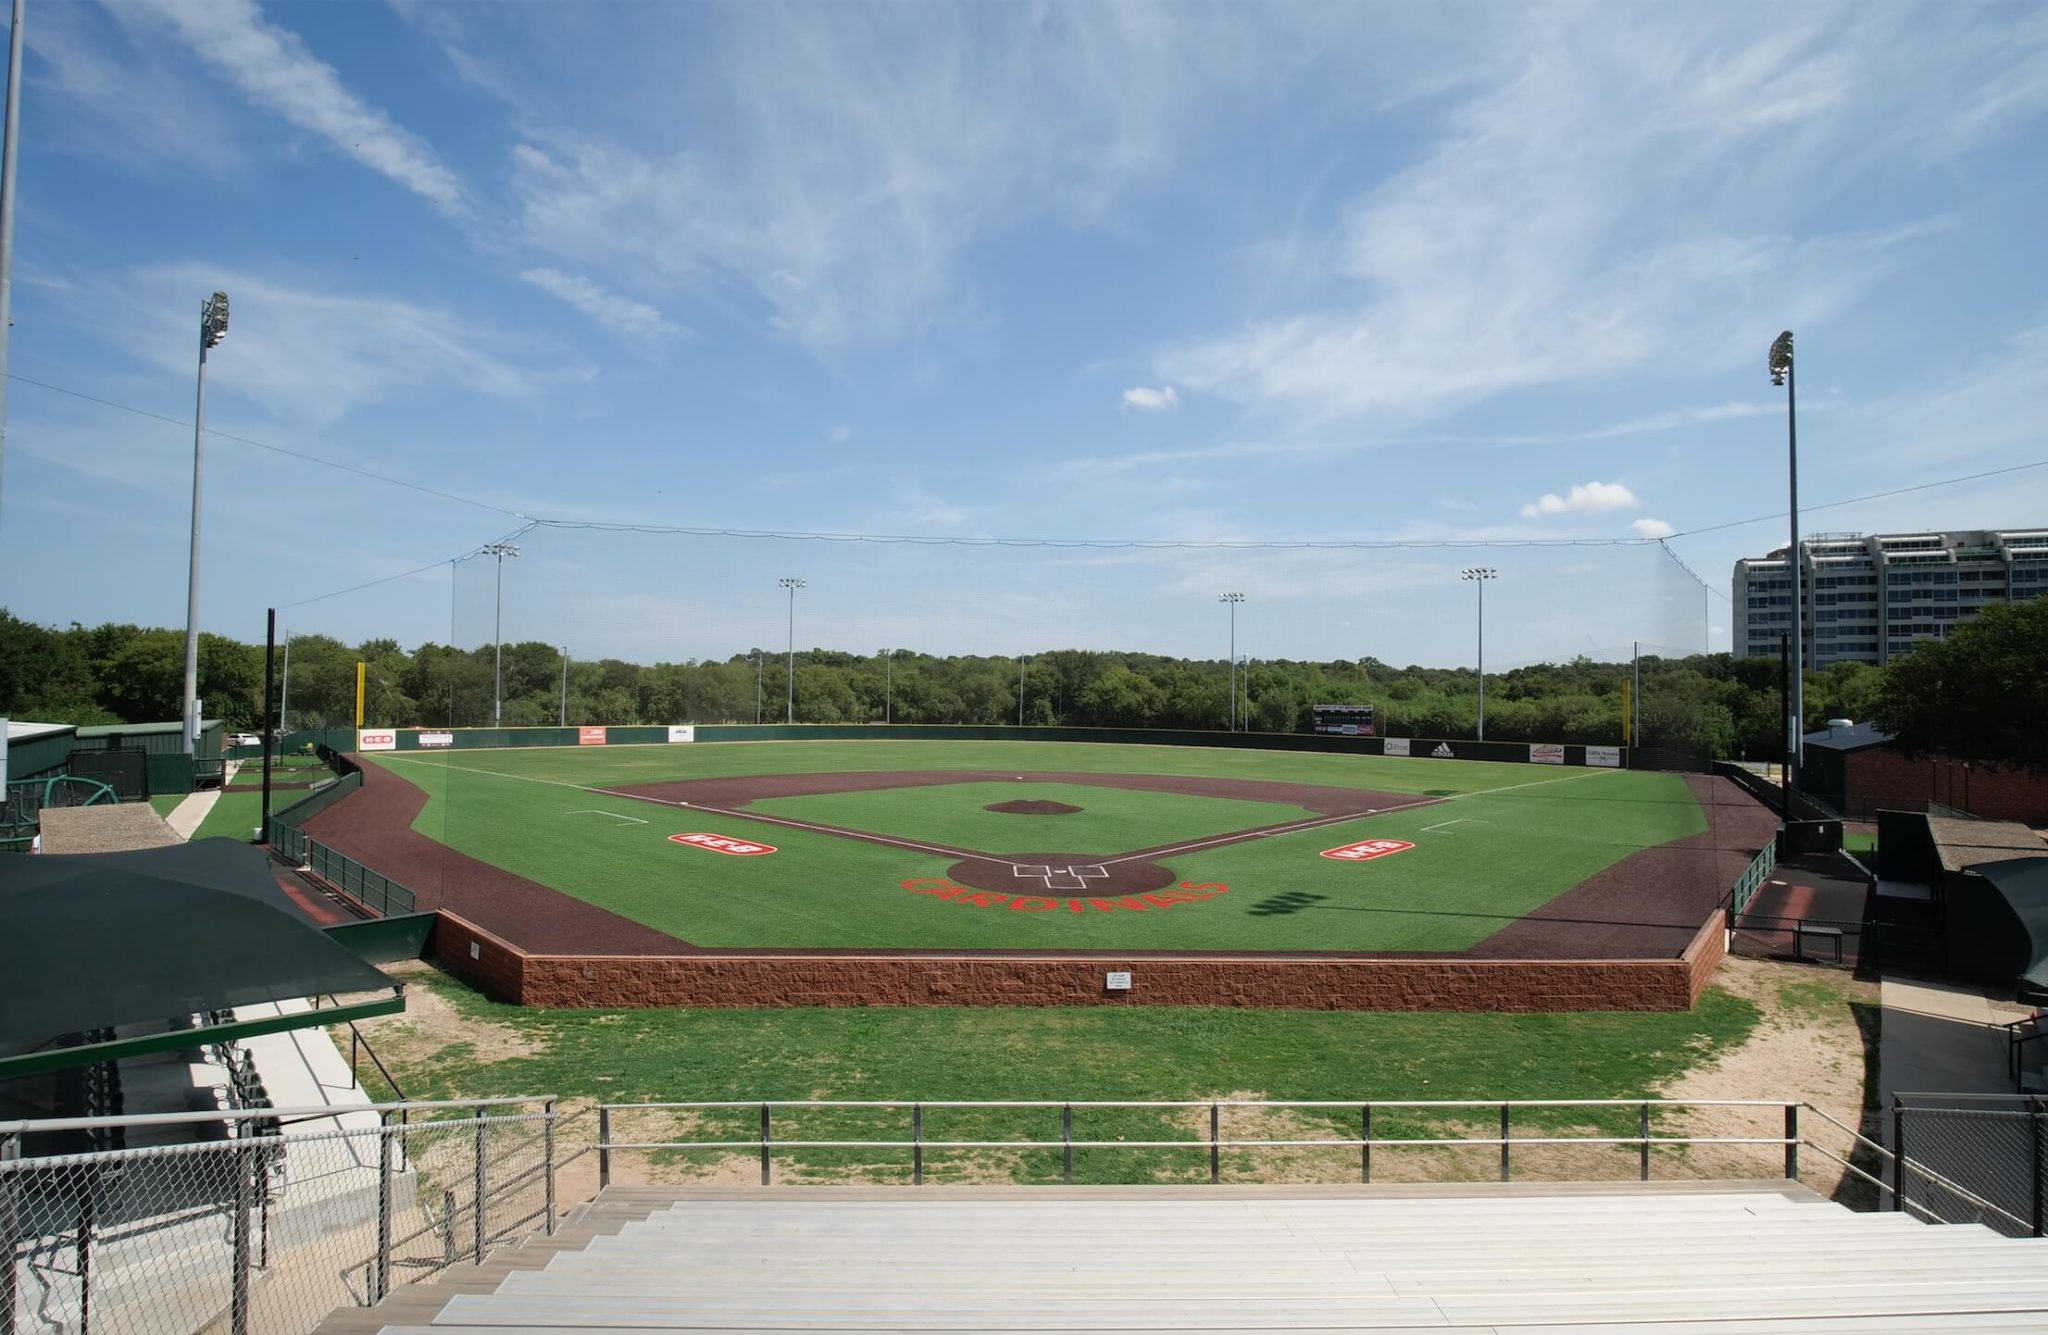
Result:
[458,1044]
[1859,841]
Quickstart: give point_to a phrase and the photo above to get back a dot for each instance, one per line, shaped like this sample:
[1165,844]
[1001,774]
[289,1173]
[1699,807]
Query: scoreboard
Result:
[1342,720]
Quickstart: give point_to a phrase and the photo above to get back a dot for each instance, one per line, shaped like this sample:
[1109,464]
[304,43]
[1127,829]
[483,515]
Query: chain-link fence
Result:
[259,1221]
[1973,1159]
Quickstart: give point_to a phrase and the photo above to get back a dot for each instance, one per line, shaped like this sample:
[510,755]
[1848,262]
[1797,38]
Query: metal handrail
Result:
[311,1111]
[1491,1104]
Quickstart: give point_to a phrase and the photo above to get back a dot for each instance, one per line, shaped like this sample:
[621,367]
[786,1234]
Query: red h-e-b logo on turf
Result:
[1365,850]
[718,843]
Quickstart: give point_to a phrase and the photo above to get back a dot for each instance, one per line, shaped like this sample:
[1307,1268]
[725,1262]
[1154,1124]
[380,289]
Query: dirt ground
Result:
[1809,1044]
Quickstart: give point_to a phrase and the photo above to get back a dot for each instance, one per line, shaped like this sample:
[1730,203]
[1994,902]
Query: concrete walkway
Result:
[188,814]
[1942,1038]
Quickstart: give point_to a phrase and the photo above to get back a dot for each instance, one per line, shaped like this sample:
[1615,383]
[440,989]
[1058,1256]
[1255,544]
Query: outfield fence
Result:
[289,840]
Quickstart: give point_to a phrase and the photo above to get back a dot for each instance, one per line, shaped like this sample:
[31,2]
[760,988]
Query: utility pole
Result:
[792,584]
[565,686]
[888,686]
[759,684]
[1233,599]
[213,327]
[9,146]
[1479,575]
[1022,659]
[269,731]
[1635,714]
[284,701]
[1782,373]
[501,550]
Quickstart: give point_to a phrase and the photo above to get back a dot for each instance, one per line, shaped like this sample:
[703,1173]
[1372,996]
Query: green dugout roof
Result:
[141,940]
[141,729]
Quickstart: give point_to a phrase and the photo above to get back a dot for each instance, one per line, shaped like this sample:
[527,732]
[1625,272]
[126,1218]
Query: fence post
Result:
[1643,1132]
[547,1132]
[767,1128]
[1215,1150]
[87,1207]
[380,1268]
[10,1230]
[1898,1154]
[2034,1126]
[245,1198]
[1792,1142]
[604,1146]
[917,1144]
[1503,1142]
[1067,1143]
[1365,1144]
[480,1185]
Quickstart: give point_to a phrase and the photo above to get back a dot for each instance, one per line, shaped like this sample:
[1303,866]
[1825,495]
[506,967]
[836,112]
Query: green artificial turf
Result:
[1513,838]
[165,803]
[235,815]
[1081,1053]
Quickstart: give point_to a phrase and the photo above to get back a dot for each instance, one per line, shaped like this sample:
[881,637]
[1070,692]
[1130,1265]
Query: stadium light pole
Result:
[501,550]
[1782,374]
[792,584]
[1233,599]
[213,327]
[1479,575]
[888,686]
[284,695]
[760,668]
[8,154]
[564,720]
[1022,659]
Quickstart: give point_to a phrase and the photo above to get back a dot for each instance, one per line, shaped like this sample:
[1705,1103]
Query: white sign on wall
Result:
[1396,746]
[1119,981]
[436,739]
[1546,753]
[682,732]
[380,739]
[1608,757]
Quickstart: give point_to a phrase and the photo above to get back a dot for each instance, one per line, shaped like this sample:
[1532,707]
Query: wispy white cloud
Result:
[1589,210]
[1147,399]
[620,314]
[312,355]
[1583,498]
[1652,528]
[272,67]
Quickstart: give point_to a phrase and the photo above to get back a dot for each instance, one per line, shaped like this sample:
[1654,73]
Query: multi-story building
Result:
[1868,598]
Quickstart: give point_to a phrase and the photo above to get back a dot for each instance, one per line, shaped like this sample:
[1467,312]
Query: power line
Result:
[1858,500]
[300,455]
[469,555]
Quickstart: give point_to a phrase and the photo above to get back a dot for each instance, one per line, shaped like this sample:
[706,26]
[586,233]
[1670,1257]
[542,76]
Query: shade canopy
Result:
[93,941]
[2023,885]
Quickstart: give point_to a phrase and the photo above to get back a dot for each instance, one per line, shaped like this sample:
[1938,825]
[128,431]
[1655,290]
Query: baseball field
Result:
[1040,846]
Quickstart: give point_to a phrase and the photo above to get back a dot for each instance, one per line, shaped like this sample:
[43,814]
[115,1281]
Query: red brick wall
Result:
[896,980]
[1994,792]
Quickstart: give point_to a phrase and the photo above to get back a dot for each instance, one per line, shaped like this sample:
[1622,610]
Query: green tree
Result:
[1980,694]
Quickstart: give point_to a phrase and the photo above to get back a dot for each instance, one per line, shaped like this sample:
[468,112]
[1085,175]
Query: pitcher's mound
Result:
[1032,808]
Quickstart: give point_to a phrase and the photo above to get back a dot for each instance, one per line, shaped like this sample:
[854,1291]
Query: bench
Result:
[1803,930]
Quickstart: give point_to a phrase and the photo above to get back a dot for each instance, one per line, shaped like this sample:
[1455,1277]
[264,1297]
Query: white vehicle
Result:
[244,739]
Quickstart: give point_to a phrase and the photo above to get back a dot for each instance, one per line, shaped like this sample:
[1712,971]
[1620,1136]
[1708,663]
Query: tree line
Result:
[1713,705]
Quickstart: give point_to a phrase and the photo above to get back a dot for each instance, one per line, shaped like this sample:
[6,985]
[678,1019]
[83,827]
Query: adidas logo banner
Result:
[1442,752]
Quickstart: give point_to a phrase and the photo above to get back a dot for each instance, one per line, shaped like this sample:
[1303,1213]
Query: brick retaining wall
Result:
[1451,984]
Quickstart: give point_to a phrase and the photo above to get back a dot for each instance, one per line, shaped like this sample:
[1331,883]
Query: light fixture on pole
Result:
[1782,374]
[213,327]
[792,584]
[1479,575]
[1233,599]
[500,550]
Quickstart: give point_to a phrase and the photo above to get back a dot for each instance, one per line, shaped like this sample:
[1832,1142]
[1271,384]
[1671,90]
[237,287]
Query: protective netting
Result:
[261,1226]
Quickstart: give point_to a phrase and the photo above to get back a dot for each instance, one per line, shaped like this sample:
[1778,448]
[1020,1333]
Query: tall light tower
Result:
[1781,374]
[760,679]
[213,327]
[9,143]
[501,550]
[1022,659]
[1479,575]
[792,584]
[1233,599]
[888,686]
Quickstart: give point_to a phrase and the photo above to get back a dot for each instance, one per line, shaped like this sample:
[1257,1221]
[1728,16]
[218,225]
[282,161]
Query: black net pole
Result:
[269,725]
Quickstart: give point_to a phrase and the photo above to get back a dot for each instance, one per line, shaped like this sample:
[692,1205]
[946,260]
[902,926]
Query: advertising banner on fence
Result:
[1395,746]
[433,739]
[682,732]
[590,737]
[376,739]
[1545,753]
[1606,756]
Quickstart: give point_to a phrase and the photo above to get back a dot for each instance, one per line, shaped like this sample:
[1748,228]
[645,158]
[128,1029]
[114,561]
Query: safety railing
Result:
[263,1220]
[1642,1136]
[1752,880]
[288,840]
[1973,1158]
[2018,1035]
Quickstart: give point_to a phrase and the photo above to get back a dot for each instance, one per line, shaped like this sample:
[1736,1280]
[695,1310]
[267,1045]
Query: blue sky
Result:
[1172,271]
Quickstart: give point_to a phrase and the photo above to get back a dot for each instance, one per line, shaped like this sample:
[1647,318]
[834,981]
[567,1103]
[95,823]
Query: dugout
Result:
[164,746]
[111,956]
